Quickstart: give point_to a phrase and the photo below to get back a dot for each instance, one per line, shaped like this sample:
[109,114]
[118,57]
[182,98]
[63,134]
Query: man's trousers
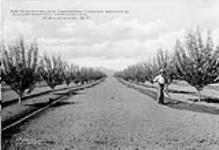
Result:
[160,94]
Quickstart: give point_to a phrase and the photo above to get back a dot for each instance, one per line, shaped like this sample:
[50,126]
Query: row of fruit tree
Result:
[194,60]
[22,68]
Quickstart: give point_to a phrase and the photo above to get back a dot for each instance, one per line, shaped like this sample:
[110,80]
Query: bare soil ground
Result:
[112,116]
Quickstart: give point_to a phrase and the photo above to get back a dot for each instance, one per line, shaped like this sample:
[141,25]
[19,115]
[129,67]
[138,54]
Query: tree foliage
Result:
[19,66]
[88,74]
[52,70]
[70,72]
[197,61]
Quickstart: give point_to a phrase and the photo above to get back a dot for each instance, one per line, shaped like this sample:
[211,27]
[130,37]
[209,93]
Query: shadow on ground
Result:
[176,104]
[192,107]
[71,93]
[207,99]
[58,104]
[62,103]
[181,92]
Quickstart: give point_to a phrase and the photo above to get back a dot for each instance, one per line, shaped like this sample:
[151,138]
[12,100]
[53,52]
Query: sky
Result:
[113,41]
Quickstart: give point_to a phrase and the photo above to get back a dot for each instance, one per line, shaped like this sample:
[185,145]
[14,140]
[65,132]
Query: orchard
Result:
[195,60]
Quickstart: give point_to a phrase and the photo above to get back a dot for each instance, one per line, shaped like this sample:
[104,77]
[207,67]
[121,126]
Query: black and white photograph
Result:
[109,74]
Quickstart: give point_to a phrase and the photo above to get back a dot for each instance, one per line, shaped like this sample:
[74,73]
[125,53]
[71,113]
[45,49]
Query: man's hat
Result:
[161,71]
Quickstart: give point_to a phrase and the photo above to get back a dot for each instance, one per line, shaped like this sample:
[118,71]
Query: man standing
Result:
[161,81]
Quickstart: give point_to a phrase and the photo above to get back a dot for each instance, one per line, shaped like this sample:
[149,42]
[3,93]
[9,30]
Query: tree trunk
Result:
[70,92]
[19,99]
[199,95]
[51,95]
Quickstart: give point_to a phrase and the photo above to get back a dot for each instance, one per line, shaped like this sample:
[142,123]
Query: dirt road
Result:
[112,116]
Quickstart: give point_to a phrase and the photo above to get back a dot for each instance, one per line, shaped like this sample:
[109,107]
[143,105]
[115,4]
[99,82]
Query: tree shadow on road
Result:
[64,103]
[207,99]
[61,103]
[181,91]
[58,104]
[68,93]
[39,105]
[191,107]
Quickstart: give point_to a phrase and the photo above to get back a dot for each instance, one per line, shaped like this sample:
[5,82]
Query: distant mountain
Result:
[108,72]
